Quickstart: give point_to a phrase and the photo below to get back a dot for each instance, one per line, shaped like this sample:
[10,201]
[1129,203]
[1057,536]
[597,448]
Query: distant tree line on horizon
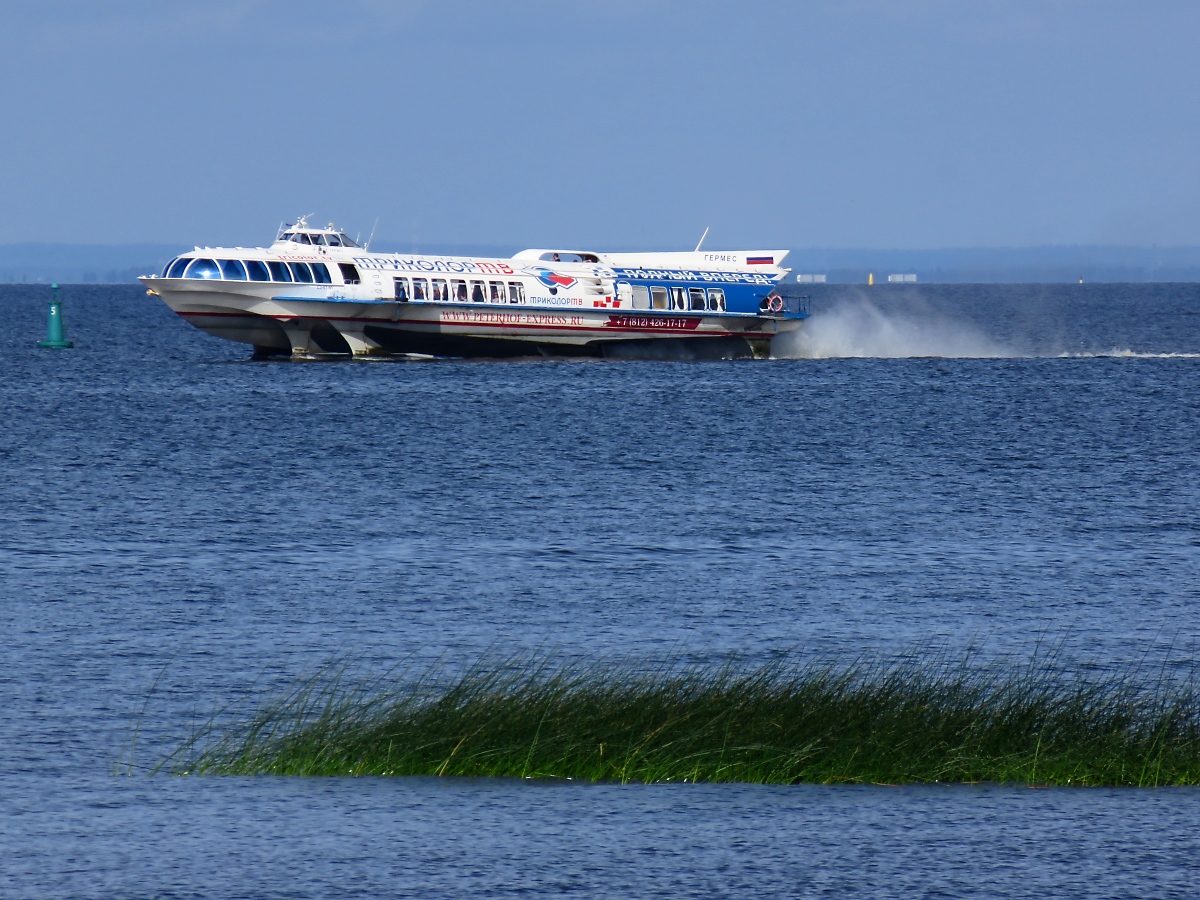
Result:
[97,264]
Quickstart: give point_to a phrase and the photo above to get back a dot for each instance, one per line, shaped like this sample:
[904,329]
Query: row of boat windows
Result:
[457,290]
[644,297]
[436,290]
[258,270]
[320,240]
[454,290]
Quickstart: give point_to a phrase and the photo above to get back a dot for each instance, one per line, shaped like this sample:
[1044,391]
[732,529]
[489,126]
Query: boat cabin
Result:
[559,256]
[302,233]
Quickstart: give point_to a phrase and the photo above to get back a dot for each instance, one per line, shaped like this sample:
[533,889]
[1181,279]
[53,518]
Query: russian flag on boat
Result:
[760,260]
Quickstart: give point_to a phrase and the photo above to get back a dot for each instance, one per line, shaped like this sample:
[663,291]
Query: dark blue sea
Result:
[1006,470]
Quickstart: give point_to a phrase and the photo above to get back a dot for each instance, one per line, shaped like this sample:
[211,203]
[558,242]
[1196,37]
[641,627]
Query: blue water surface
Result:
[182,529]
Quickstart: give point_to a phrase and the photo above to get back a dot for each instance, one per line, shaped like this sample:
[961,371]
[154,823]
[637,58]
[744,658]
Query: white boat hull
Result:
[315,292]
[386,327]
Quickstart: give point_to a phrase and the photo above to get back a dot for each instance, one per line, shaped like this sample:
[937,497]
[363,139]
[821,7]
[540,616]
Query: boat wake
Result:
[859,329]
[1126,354]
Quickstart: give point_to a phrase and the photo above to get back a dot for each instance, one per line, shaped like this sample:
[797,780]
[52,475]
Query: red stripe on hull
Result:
[596,330]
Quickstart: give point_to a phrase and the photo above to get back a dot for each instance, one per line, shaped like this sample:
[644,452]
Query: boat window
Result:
[333,240]
[318,239]
[286,236]
[477,292]
[440,294]
[349,273]
[346,242]
[203,268]
[678,298]
[563,256]
[302,238]
[301,272]
[641,297]
[496,292]
[177,267]
[279,271]
[232,269]
[516,292]
[696,295]
[401,286]
[420,289]
[321,273]
[258,270]
[167,267]
[458,290]
[716,299]
[658,297]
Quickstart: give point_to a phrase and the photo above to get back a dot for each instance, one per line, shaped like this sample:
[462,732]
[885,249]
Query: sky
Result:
[626,124]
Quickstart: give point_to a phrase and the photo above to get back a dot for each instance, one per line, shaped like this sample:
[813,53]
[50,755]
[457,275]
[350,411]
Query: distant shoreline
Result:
[38,263]
[790,287]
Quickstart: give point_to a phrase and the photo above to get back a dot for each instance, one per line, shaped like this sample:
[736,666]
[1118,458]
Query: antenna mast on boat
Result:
[367,246]
[702,237]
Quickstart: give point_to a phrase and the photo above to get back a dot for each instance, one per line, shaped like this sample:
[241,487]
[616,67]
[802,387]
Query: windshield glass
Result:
[203,268]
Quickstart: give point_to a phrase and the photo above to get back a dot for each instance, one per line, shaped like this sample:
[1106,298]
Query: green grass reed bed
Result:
[778,724]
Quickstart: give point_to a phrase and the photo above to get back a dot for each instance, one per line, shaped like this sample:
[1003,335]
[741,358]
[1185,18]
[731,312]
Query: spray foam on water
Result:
[858,328]
[1127,354]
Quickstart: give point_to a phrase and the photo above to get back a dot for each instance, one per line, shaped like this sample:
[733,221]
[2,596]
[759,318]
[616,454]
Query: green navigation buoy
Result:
[54,328]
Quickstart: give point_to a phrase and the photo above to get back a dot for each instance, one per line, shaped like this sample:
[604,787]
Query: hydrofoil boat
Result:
[315,292]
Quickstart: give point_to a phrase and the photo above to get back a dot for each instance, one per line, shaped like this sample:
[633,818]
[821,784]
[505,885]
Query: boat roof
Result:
[305,235]
[699,259]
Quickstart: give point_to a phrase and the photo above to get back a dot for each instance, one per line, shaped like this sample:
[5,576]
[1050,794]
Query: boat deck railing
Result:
[796,306]
[786,306]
